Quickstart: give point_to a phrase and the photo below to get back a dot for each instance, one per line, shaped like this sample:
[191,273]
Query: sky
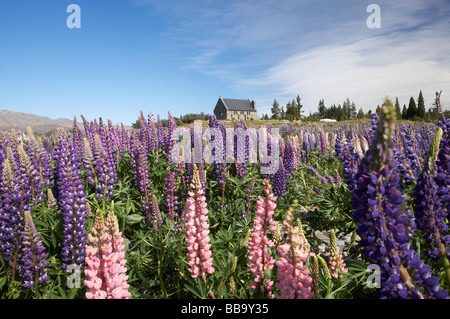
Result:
[179,56]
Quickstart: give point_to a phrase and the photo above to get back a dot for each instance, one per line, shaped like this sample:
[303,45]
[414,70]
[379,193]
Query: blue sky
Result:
[180,56]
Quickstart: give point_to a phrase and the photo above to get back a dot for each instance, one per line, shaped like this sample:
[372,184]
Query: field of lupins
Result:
[353,211]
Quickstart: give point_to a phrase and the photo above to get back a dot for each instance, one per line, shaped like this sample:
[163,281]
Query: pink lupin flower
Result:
[337,264]
[296,148]
[293,275]
[105,258]
[258,254]
[197,230]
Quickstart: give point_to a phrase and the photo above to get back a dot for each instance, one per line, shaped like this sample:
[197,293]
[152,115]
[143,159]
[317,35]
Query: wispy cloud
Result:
[408,54]
[319,49]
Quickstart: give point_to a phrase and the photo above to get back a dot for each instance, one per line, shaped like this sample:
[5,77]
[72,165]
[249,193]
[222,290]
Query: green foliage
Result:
[156,259]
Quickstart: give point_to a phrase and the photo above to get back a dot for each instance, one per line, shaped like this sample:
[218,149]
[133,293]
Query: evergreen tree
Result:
[397,108]
[340,116]
[275,110]
[360,114]
[299,108]
[282,114]
[346,110]
[404,112]
[136,125]
[412,109]
[322,109]
[378,109]
[352,110]
[421,106]
[290,110]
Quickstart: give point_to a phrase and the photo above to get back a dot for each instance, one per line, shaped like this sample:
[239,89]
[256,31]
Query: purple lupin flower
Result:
[442,178]
[33,263]
[77,138]
[71,201]
[316,190]
[139,161]
[219,170]
[170,191]
[151,134]
[350,164]
[429,210]
[339,146]
[16,197]
[323,142]
[160,135]
[279,181]
[241,150]
[288,158]
[330,178]
[409,144]
[102,156]
[312,170]
[10,216]
[385,224]
[146,134]
[89,130]
[31,176]
[40,160]
[105,169]
[157,219]
[171,127]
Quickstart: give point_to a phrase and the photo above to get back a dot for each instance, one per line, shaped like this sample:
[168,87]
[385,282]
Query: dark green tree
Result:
[360,114]
[404,112]
[349,109]
[397,109]
[421,106]
[340,115]
[412,109]
[275,110]
[353,110]
[299,108]
[136,125]
[291,110]
[322,109]
[378,109]
[346,110]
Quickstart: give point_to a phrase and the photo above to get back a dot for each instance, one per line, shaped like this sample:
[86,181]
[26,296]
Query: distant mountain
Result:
[20,121]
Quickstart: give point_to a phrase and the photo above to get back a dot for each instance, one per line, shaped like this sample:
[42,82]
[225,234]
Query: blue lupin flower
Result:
[71,200]
[33,264]
[385,224]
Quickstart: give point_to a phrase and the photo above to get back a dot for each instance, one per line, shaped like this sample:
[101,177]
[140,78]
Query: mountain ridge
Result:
[21,120]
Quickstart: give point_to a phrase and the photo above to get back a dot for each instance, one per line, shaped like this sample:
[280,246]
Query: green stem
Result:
[69,293]
[446,264]
[160,263]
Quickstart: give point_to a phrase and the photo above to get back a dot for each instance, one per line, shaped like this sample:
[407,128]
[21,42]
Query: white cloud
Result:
[269,49]
[393,63]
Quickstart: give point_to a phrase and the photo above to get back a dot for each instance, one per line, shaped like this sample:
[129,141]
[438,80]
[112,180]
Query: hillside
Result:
[20,121]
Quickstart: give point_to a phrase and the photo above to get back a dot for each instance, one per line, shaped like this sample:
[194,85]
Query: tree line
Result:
[183,119]
[347,111]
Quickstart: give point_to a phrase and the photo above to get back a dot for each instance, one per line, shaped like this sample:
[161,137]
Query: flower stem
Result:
[160,263]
